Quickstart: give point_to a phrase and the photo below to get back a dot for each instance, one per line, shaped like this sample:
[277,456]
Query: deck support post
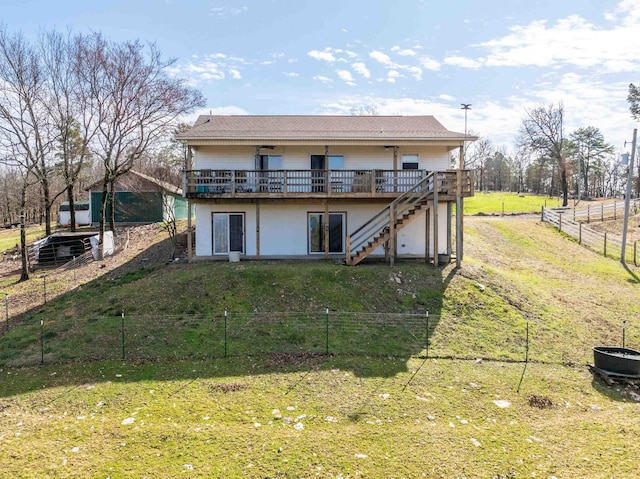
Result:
[427,235]
[435,221]
[392,235]
[326,228]
[395,169]
[258,228]
[459,215]
[189,232]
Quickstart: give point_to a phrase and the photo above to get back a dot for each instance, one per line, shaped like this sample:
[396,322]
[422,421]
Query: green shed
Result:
[140,198]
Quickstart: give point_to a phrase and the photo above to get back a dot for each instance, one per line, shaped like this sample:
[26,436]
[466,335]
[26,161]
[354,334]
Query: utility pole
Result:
[627,198]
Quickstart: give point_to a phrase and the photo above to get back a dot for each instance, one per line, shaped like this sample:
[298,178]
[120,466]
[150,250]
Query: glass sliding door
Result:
[336,224]
[228,233]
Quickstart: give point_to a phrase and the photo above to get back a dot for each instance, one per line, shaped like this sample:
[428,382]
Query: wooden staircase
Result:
[383,226]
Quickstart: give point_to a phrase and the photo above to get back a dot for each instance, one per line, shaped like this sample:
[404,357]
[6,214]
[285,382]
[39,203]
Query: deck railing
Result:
[234,183]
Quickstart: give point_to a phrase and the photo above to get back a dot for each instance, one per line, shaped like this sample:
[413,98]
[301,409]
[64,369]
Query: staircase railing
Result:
[396,209]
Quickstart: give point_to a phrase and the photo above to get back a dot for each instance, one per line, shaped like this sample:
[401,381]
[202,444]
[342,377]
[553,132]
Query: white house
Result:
[343,187]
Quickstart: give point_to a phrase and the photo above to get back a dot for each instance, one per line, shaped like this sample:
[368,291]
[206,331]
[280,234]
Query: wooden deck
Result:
[320,184]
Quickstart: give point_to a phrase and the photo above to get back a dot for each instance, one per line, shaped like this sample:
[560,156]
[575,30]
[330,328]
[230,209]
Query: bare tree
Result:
[135,103]
[69,108]
[481,151]
[24,122]
[364,110]
[542,132]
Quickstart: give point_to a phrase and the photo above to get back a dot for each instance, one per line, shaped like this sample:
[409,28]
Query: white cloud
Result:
[463,62]
[415,72]
[235,74]
[291,74]
[571,41]
[392,75]
[380,57]
[325,55]
[446,97]
[227,11]
[403,52]
[322,79]
[429,63]
[361,68]
[346,77]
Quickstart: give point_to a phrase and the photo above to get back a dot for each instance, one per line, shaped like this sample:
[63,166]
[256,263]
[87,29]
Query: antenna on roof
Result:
[209,111]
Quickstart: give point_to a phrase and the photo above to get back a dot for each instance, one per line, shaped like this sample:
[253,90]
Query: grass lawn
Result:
[508,203]
[313,417]
[368,412]
[10,237]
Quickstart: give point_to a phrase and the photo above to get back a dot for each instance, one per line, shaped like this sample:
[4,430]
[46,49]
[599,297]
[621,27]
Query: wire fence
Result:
[607,244]
[156,337]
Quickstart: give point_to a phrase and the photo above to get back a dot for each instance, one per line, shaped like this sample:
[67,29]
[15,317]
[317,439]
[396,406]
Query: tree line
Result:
[75,107]
[548,160]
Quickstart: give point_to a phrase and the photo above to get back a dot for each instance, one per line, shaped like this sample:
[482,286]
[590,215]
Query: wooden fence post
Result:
[560,222]
[579,233]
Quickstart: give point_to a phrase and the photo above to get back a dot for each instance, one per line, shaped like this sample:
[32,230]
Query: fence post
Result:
[542,213]
[427,335]
[326,348]
[6,311]
[560,222]
[122,333]
[41,341]
[601,211]
[635,262]
[526,353]
[225,333]
[624,328]
[605,244]
[74,269]
[588,213]
[615,204]
[579,233]
[503,208]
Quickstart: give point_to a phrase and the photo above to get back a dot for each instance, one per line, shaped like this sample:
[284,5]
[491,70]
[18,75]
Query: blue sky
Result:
[404,57]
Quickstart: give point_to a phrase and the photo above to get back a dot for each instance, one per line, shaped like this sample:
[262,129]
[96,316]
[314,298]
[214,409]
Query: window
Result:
[336,162]
[228,232]
[269,162]
[336,232]
[410,162]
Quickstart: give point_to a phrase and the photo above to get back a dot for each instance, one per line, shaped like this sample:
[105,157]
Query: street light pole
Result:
[459,203]
[466,107]
[627,199]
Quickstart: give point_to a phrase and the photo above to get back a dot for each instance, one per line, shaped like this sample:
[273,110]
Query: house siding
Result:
[298,157]
[283,227]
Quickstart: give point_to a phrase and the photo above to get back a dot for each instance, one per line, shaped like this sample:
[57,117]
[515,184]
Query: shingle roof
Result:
[308,127]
